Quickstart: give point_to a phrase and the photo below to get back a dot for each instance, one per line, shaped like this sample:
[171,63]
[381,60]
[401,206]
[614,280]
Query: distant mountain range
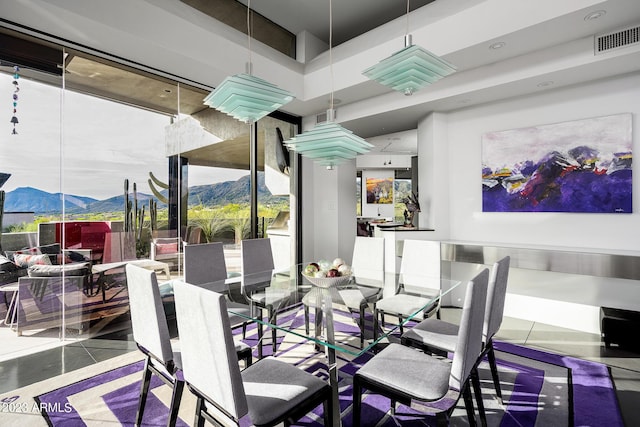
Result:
[28,199]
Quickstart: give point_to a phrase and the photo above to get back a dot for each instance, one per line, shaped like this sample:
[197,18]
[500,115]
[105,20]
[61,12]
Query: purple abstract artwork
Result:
[576,166]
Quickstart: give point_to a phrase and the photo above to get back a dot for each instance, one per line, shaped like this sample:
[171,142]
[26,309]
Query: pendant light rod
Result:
[411,68]
[406,31]
[329,144]
[249,65]
[245,97]
[330,60]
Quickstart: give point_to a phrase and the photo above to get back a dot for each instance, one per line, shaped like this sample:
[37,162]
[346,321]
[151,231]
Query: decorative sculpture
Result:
[413,206]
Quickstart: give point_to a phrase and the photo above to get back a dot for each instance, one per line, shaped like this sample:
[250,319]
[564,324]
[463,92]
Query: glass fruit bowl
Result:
[328,282]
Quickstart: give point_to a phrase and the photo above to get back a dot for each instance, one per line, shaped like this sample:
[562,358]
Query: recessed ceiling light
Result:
[497,45]
[336,101]
[595,15]
[545,84]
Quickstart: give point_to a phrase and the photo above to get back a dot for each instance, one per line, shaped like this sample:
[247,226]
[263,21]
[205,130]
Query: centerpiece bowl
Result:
[328,282]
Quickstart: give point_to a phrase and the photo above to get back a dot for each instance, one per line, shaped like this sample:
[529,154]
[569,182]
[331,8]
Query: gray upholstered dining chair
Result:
[419,282]
[419,380]
[257,269]
[269,391]
[151,335]
[367,266]
[205,263]
[434,334]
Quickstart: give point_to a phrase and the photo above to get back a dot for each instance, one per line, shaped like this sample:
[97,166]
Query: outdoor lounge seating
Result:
[166,249]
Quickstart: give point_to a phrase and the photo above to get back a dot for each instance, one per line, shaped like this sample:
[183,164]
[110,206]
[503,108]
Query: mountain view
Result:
[27,199]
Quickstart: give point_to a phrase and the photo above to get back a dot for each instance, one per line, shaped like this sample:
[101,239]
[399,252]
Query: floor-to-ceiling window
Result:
[137,158]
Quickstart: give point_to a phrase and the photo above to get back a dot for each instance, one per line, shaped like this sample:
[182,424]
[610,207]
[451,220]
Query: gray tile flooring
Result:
[624,364]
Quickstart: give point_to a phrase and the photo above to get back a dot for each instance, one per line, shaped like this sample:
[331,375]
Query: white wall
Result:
[328,211]
[463,200]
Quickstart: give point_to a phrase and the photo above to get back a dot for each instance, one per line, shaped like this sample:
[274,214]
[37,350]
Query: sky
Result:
[94,142]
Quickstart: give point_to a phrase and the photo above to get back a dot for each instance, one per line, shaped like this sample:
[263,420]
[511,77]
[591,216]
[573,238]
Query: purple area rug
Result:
[539,389]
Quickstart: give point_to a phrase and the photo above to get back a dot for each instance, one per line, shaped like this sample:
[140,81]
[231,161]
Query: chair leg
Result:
[259,340]
[468,404]
[362,324]
[327,411]
[442,420]
[274,331]
[477,390]
[375,323]
[494,369]
[199,419]
[306,320]
[244,330]
[176,396]
[400,324]
[144,390]
[357,397]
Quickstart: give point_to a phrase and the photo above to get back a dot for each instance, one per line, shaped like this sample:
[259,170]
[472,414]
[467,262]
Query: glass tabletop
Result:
[333,319]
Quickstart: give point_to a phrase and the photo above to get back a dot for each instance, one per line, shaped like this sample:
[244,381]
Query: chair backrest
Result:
[209,359]
[469,343]
[367,263]
[257,262]
[148,319]
[496,295]
[204,263]
[420,265]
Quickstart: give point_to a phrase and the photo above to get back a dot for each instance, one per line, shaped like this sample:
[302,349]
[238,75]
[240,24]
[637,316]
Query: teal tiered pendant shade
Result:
[247,98]
[409,69]
[328,144]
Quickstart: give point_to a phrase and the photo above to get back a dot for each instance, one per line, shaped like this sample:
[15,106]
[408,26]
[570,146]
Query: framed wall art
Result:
[380,190]
[576,166]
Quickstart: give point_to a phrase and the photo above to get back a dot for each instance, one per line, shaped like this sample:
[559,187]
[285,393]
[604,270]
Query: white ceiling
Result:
[546,45]
[544,41]
[351,18]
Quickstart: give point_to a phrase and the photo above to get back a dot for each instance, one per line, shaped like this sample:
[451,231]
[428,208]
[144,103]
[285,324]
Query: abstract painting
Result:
[577,166]
[380,190]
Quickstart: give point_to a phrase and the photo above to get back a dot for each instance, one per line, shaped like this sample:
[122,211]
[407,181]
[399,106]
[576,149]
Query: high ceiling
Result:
[351,18]
[502,49]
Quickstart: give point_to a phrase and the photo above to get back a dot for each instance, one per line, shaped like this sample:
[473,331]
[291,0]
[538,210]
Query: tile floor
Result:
[17,369]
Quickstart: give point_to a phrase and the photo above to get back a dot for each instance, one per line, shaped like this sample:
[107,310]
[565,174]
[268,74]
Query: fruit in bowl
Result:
[327,274]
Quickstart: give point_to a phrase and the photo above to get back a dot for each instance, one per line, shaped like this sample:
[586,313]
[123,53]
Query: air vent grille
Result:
[321,118]
[617,39]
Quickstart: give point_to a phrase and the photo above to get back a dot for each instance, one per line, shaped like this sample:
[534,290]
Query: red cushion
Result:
[166,248]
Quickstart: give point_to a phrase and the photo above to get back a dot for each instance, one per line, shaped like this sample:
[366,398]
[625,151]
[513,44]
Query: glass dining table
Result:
[283,291]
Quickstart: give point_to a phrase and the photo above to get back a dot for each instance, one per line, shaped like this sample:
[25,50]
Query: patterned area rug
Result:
[539,389]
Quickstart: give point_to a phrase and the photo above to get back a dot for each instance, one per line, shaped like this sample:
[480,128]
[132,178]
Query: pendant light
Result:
[328,143]
[244,96]
[411,68]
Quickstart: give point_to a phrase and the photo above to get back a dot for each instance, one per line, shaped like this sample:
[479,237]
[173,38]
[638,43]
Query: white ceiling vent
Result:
[616,39]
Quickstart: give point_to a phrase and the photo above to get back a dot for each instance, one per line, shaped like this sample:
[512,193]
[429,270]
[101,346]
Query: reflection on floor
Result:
[624,364]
